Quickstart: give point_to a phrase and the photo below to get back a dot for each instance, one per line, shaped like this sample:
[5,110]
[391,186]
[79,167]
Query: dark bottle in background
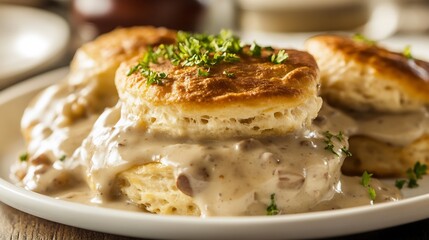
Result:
[91,18]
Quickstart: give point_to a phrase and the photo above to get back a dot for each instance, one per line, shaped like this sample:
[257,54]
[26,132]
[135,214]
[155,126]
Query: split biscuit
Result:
[361,77]
[261,99]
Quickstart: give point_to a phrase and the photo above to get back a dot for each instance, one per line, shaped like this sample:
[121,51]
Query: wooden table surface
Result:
[18,225]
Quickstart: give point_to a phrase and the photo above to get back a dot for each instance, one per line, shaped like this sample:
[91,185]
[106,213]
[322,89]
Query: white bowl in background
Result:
[30,40]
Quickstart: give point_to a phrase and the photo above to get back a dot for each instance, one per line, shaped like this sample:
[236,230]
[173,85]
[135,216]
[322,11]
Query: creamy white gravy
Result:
[83,194]
[397,129]
[226,177]
[59,119]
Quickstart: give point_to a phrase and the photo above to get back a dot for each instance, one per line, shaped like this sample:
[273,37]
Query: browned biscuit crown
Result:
[361,75]
[254,79]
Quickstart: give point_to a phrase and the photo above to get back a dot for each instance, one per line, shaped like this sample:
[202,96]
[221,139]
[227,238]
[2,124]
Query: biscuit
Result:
[362,76]
[262,99]
[383,159]
[100,58]
[153,187]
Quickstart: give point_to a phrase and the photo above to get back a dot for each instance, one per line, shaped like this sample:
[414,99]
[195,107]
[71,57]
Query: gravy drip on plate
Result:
[54,125]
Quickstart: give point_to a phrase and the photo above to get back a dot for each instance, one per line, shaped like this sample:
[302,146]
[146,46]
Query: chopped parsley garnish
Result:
[330,144]
[280,57]
[366,181]
[62,158]
[413,174]
[153,77]
[399,183]
[372,194]
[339,136]
[255,50]
[272,208]
[407,52]
[346,151]
[269,48]
[143,67]
[361,38]
[330,147]
[23,157]
[229,74]
[202,73]
[419,170]
[200,50]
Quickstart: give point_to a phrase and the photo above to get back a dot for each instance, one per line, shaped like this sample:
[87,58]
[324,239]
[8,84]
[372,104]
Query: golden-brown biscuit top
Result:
[124,43]
[255,78]
[411,74]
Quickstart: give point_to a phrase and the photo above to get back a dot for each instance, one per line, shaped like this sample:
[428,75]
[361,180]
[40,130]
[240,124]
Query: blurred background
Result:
[75,22]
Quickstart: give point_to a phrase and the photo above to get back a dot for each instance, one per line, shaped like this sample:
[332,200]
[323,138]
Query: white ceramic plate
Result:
[414,207]
[31,40]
